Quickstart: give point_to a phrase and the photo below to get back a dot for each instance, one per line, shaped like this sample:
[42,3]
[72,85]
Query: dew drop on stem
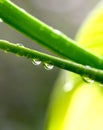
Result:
[48,66]
[36,61]
[87,79]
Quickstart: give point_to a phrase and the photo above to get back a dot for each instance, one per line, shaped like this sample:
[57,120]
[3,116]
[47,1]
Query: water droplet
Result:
[1,20]
[48,66]
[36,62]
[87,79]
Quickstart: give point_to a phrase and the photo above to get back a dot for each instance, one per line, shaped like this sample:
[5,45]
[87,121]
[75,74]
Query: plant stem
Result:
[47,36]
[17,49]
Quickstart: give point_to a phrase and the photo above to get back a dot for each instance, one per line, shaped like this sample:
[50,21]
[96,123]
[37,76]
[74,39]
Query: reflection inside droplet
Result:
[48,66]
[87,79]
[36,61]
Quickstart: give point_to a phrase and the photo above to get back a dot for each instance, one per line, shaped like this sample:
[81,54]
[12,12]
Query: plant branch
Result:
[47,36]
[17,49]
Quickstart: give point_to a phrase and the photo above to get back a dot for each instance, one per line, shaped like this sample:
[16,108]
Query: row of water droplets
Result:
[90,80]
[86,78]
[49,66]
[38,62]
[46,65]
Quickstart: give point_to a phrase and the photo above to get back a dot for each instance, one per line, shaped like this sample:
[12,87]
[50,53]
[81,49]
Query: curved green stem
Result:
[61,63]
[47,36]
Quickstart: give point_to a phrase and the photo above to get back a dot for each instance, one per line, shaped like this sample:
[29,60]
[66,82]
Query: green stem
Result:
[61,63]
[47,36]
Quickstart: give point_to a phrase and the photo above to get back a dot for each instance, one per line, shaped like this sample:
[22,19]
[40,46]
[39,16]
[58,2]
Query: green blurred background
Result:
[24,88]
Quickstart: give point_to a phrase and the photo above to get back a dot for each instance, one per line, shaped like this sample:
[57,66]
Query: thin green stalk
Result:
[61,63]
[46,36]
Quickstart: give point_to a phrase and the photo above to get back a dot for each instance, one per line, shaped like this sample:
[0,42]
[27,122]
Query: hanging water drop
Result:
[36,62]
[87,79]
[48,66]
